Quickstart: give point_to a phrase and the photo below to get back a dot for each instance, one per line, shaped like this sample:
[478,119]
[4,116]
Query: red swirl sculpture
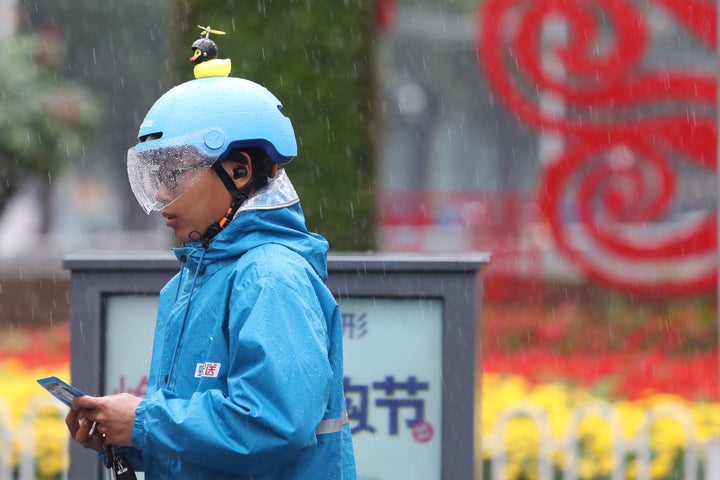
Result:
[608,191]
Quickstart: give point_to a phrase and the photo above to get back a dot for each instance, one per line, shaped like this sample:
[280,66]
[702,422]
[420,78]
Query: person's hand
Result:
[83,430]
[98,422]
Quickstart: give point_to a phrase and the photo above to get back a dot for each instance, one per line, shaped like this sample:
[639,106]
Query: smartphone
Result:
[61,390]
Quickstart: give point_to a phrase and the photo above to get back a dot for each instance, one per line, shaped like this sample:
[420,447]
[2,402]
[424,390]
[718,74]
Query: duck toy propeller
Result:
[204,56]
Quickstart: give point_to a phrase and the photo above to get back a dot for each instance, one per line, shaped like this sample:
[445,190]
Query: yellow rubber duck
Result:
[204,56]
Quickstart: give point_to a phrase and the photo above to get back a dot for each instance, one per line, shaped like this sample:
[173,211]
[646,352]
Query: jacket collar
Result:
[278,193]
[276,196]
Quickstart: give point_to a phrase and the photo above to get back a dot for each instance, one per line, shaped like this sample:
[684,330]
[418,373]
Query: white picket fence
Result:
[27,431]
[696,453]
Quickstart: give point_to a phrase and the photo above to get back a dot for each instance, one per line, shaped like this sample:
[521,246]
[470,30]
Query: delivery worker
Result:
[246,378]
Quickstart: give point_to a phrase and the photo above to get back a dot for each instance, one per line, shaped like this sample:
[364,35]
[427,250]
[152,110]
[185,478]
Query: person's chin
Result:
[180,234]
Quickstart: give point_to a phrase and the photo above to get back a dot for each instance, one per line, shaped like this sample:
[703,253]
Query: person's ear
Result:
[240,172]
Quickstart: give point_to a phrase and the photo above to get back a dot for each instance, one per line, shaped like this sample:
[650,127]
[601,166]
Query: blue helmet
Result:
[196,124]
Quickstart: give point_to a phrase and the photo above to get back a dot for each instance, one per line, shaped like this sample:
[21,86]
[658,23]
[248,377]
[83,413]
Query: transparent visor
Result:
[160,176]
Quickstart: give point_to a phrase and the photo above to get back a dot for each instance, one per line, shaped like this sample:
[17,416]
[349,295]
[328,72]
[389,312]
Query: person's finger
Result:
[71,420]
[94,440]
[91,415]
[87,402]
[82,433]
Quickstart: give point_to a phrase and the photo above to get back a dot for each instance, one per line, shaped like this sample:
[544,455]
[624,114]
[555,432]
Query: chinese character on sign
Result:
[398,397]
[358,410]
[354,325]
[139,390]
[411,387]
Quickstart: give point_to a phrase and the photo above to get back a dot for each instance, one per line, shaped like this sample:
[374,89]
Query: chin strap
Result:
[239,197]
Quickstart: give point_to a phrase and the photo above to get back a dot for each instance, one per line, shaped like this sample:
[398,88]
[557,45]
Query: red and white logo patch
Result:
[207,369]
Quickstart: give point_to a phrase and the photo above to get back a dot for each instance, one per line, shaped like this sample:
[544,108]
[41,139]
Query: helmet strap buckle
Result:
[239,197]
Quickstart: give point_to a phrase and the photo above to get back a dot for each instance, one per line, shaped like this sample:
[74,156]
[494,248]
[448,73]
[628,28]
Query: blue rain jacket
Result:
[247,356]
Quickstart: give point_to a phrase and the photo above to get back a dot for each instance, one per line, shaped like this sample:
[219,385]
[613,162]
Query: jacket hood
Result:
[272,215]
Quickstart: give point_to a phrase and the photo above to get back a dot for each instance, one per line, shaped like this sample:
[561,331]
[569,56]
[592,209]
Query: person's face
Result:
[203,204]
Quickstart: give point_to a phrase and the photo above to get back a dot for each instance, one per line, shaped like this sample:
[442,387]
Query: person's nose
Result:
[164,195]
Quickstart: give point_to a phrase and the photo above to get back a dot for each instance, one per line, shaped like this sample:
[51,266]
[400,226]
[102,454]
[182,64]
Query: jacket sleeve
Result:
[278,385]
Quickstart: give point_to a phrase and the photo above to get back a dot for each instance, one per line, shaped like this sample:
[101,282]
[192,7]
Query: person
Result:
[246,373]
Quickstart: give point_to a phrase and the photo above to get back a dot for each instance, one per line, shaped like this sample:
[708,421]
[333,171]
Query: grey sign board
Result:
[410,333]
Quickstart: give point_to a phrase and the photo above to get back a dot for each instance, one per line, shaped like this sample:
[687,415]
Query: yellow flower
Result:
[35,419]
[515,414]
[525,421]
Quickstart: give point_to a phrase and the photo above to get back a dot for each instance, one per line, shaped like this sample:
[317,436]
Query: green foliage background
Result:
[44,117]
[316,56]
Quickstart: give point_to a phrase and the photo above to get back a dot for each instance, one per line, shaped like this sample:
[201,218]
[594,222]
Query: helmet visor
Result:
[160,176]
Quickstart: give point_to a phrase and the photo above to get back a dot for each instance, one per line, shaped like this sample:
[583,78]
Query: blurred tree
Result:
[118,51]
[317,57]
[43,116]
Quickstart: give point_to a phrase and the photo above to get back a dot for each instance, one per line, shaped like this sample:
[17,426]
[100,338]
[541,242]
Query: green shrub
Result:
[317,58]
